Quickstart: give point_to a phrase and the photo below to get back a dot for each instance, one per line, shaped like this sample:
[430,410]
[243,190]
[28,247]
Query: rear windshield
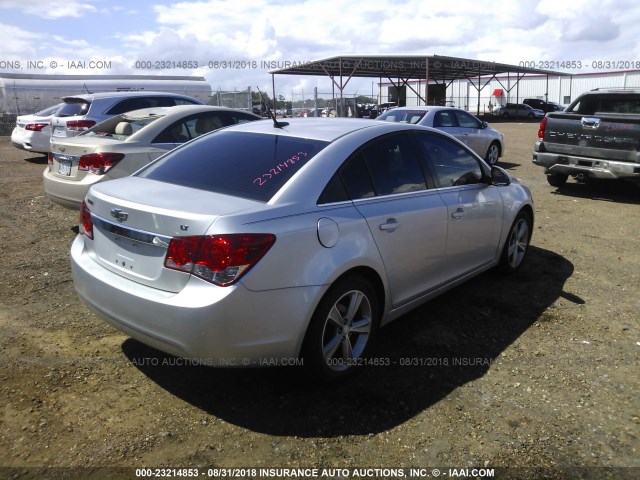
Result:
[247,165]
[119,128]
[403,116]
[73,107]
[590,104]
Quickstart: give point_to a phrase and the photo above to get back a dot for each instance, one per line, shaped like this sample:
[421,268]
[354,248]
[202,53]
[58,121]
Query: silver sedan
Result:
[475,133]
[122,144]
[273,242]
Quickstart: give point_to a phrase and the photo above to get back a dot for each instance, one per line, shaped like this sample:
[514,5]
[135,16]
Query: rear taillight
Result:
[50,158]
[99,163]
[219,259]
[35,127]
[541,129]
[86,223]
[80,125]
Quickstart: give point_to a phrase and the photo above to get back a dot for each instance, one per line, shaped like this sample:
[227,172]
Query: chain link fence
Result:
[15,102]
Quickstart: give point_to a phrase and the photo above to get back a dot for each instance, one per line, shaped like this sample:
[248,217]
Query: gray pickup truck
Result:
[597,136]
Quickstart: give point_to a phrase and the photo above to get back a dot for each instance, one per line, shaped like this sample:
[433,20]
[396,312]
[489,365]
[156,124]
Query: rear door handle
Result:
[391,224]
[458,214]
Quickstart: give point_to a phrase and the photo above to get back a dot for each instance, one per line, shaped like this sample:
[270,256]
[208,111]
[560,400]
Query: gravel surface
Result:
[537,371]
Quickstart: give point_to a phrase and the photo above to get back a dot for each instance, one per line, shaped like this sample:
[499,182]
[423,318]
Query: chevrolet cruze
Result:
[268,241]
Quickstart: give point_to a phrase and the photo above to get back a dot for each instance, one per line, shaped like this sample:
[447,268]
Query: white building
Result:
[505,88]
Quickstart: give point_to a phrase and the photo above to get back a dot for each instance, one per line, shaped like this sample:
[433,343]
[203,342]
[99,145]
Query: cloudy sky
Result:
[248,33]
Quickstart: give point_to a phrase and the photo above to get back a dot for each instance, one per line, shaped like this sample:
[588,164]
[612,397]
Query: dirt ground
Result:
[537,372]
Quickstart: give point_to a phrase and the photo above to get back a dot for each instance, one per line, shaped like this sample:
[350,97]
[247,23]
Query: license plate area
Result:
[64,167]
[59,132]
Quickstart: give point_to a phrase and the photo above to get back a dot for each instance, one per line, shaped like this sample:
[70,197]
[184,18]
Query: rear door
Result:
[406,218]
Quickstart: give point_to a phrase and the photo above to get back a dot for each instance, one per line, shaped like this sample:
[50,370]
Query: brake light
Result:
[219,259]
[50,158]
[80,125]
[35,127]
[85,220]
[541,129]
[99,163]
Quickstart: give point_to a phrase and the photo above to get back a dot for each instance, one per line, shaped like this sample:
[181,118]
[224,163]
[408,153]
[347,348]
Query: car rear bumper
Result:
[215,326]
[590,167]
[29,142]
[67,193]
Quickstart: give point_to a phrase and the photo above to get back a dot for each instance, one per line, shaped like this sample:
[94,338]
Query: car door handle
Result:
[391,224]
[458,214]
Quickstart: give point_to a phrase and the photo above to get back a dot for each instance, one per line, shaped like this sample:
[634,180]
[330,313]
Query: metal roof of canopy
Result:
[438,69]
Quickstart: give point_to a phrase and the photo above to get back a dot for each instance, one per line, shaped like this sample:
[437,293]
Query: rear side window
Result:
[74,107]
[386,166]
[247,165]
[445,118]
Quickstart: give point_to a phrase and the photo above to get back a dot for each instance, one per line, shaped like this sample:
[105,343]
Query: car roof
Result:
[98,95]
[422,107]
[179,110]
[324,129]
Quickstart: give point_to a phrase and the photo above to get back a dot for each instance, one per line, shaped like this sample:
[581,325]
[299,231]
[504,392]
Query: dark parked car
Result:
[518,110]
[543,105]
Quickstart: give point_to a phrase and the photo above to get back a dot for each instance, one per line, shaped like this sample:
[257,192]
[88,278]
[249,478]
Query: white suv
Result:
[81,112]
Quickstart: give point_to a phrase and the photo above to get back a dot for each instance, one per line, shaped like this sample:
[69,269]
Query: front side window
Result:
[451,164]
[467,121]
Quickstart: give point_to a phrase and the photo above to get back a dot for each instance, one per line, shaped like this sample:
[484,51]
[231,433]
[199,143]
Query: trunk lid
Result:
[65,155]
[134,220]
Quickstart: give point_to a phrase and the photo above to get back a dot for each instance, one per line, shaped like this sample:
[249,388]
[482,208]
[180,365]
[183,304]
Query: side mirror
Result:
[499,177]
[484,124]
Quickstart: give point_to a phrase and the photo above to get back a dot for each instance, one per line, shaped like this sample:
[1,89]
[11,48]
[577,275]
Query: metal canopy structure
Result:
[401,69]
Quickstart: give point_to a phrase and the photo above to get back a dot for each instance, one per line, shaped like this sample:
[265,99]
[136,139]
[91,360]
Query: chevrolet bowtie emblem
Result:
[119,215]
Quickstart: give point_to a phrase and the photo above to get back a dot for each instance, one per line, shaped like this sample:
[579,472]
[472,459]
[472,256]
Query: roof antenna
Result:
[276,123]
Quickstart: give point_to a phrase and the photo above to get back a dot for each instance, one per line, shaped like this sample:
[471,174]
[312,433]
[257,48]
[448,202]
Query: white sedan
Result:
[123,144]
[32,132]
[475,133]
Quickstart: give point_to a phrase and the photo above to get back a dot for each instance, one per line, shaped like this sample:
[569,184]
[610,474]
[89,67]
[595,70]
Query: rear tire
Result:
[557,179]
[517,244]
[342,329]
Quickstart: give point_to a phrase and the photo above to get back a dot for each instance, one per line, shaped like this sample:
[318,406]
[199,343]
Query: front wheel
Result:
[493,153]
[342,329]
[557,179]
[517,244]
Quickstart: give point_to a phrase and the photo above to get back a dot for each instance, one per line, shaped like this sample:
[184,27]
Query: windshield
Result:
[403,116]
[49,110]
[119,127]
[247,165]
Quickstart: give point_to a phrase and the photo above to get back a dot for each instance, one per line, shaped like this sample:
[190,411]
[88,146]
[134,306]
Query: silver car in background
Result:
[120,145]
[81,112]
[260,243]
[475,133]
